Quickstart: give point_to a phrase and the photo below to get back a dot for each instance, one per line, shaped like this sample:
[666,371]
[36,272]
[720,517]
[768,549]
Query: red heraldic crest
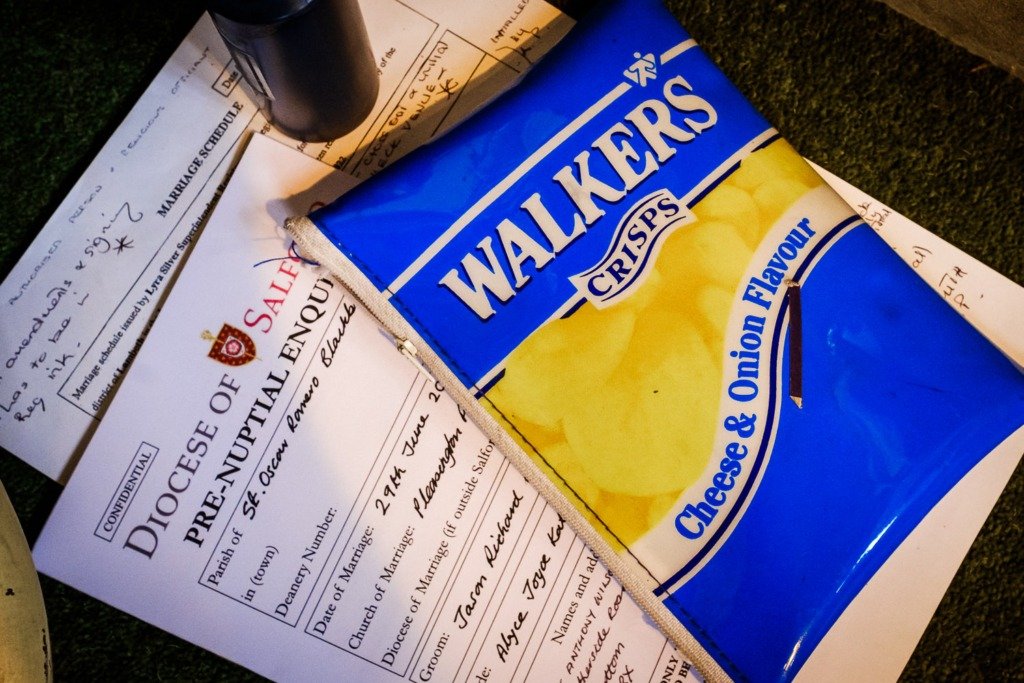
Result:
[231,346]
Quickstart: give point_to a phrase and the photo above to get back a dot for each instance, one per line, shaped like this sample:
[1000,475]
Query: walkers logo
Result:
[634,244]
[643,69]
[231,346]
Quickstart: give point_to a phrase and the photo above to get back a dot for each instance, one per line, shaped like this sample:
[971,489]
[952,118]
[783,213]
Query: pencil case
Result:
[716,372]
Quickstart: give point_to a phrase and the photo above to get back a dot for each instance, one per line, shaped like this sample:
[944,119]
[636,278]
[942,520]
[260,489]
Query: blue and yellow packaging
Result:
[734,390]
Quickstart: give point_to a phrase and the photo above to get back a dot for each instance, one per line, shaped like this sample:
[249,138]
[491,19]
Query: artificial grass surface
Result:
[926,127]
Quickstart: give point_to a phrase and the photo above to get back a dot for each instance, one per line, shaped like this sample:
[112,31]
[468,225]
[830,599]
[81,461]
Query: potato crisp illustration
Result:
[622,402]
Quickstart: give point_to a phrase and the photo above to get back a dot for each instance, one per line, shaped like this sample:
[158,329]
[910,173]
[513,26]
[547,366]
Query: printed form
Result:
[277,516]
[276,482]
[79,302]
[273,466]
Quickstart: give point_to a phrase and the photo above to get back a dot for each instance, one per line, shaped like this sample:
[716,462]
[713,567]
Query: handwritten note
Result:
[990,301]
[80,301]
[306,485]
[533,600]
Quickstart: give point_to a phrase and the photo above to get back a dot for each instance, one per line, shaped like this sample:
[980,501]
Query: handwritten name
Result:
[492,549]
[426,493]
[465,610]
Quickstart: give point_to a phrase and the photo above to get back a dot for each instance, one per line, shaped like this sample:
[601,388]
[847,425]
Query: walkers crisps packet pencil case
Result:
[726,382]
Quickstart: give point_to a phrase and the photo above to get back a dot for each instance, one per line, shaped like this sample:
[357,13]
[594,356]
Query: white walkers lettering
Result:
[502,272]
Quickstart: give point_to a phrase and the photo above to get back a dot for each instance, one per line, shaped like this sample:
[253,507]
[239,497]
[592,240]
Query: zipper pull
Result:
[407,349]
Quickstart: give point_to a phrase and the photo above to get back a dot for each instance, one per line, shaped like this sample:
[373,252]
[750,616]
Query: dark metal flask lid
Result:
[308,62]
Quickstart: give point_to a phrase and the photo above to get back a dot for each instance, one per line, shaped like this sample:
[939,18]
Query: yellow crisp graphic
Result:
[621,403]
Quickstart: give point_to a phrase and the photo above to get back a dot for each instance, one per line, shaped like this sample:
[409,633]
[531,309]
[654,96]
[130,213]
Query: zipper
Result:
[327,256]
[403,345]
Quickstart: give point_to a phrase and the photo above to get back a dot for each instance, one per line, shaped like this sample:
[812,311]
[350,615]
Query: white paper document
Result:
[277,483]
[79,301]
[991,302]
[274,481]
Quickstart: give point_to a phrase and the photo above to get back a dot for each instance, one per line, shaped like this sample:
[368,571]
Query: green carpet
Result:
[923,125]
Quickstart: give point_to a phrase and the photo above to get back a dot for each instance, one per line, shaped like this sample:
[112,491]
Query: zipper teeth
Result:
[310,241]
